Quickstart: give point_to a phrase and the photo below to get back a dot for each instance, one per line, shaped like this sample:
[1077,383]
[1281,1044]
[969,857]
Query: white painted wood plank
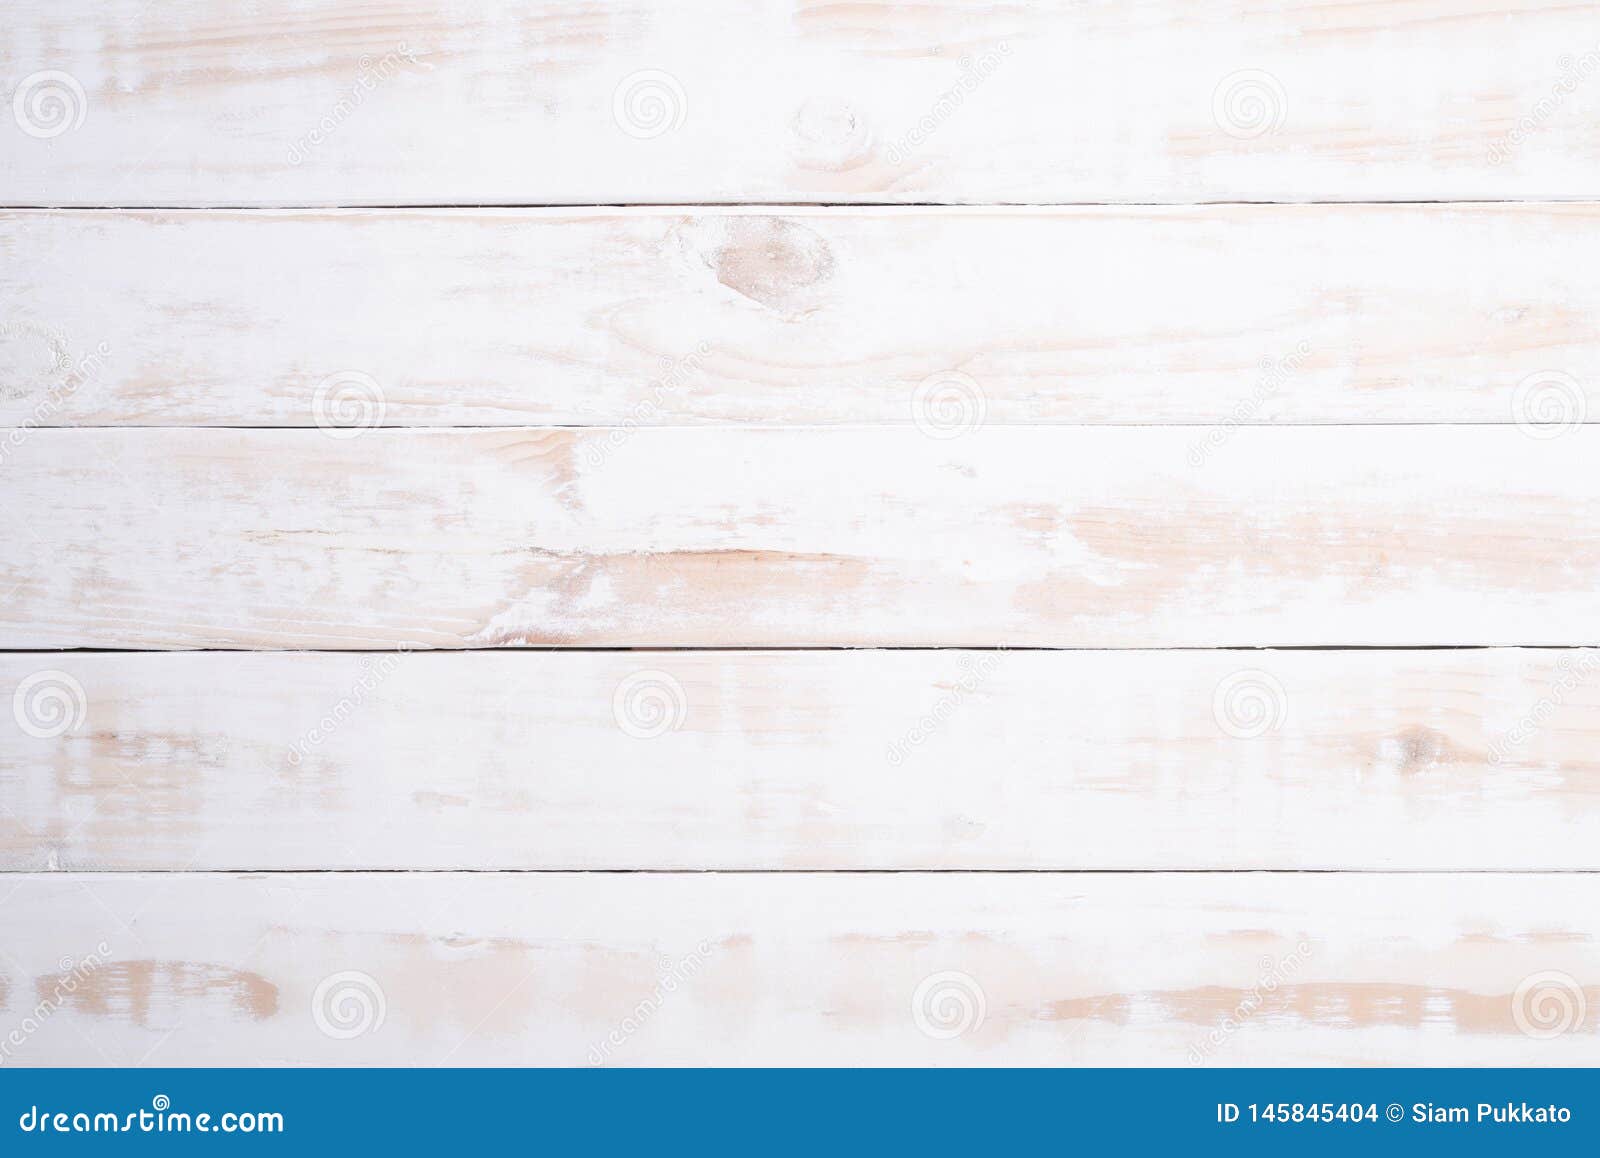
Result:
[425,102]
[1232,969]
[1254,314]
[1469,759]
[1071,536]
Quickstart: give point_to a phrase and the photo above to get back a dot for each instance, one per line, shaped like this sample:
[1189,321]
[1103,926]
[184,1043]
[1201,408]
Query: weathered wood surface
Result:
[1217,314]
[1229,969]
[1469,759]
[1071,536]
[195,102]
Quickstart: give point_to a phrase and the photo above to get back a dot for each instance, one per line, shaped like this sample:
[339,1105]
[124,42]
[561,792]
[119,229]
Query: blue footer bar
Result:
[759,1112]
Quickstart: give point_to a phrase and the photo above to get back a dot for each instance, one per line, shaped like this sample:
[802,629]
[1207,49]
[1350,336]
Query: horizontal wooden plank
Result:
[1256,314]
[945,969]
[1069,536]
[1463,759]
[424,102]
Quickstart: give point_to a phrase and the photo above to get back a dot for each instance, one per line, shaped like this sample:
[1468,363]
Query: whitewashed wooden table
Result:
[799,533]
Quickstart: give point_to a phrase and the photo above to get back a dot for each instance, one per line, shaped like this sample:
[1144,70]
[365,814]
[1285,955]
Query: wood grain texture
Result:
[1241,314]
[1070,536]
[1231,969]
[803,760]
[425,102]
